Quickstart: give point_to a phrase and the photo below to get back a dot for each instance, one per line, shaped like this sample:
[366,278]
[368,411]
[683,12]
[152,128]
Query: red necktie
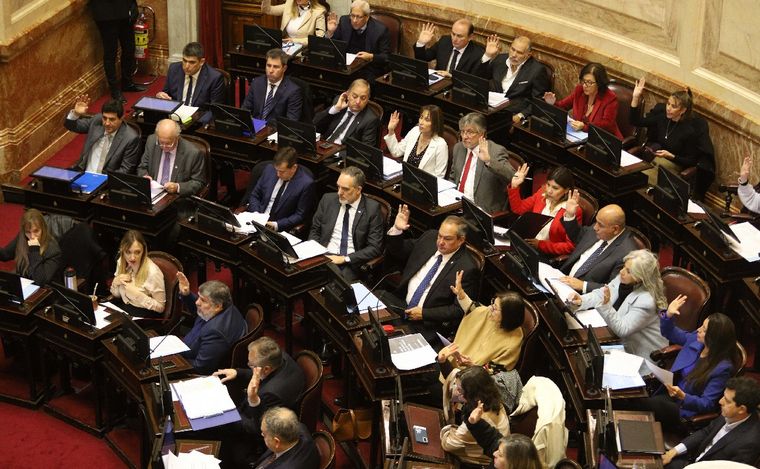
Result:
[466,171]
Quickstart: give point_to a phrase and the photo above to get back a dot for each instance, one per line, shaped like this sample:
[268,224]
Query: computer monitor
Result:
[129,189]
[327,52]
[526,255]
[338,293]
[213,216]
[672,192]
[418,186]
[470,90]
[275,241]
[556,308]
[365,157]
[133,342]
[259,40]
[594,362]
[232,120]
[603,147]
[548,120]
[72,306]
[155,109]
[480,226]
[56,180]
[719,226]
[408,72]
[163,444]
[11,292]
[375,338]
[302,136]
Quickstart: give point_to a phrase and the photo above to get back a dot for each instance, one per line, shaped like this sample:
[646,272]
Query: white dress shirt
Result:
[334,245]
[195,85]
[417,278]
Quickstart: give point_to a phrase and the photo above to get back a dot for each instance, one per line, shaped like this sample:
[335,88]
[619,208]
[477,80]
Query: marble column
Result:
[182,20]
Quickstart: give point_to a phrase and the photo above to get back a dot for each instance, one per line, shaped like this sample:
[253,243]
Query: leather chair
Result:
[393,23]
[229,90]
[307,113]
[371,268]
[310,402]
[238,356]
[136,128]
[378,110]
[205,148]
[529,349]
[326,447]
[679,281]
[549,71]
[589,206]
[624,94]
[567,464]
[169,266]
[641,241]
[451,137]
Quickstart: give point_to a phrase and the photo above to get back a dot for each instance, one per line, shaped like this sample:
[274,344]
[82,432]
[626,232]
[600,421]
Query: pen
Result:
[95,289]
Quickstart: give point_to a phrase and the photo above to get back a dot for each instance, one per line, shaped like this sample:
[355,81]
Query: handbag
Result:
[352,424]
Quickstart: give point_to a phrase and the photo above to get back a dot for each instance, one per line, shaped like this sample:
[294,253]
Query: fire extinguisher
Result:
[141,37]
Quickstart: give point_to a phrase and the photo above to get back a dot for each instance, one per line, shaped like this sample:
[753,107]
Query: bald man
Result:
[599,249]
[453,52]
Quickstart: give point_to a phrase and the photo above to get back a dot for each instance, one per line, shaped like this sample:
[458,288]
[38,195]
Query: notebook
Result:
[637,436]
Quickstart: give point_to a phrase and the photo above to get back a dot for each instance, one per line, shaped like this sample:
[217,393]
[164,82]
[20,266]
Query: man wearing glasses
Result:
[480,168]
[366,37]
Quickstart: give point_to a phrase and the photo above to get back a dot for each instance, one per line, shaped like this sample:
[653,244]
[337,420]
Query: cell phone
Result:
[420,434]
[325,145]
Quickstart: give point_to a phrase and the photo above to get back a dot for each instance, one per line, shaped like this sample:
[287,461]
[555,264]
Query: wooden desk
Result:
[423,216]
[180,421]
[394,96]
[33,195]
[659,223]
[154,223]
[501,273]
[326,79]
[607,183]
[594,397]
[241,152]
[624,460]
[540,149]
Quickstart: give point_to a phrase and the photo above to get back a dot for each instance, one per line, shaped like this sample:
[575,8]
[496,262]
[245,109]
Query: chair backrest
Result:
[451,137]
[679,281]
[515,160]
[393,23]
[624,94]
[254,318]
[169,266]
[378,110]
[310,406]
[480,262]
[256,172]
[136,127]
[205,148]
[229,90]
[589,206]
[385,208]
[743,359]
[307,112]
[529,353]
[641,241]
[326,447]
[549,72]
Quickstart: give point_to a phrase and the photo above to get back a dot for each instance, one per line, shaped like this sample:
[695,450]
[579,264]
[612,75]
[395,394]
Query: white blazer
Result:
[313,22]
[436,156]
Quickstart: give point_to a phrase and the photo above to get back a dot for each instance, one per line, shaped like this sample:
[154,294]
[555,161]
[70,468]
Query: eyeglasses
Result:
[469,132]
[588,82]
[357,17]
[166,144]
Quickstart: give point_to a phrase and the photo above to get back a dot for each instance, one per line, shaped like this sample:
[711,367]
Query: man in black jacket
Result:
[453,52]
[288,442]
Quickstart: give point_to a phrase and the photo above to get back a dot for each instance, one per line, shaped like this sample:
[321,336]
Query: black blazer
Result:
[106,10]
[377,41]
[469,62]
[288,99]
[364,128]
[303,455]
[739,445]
[532,80]
[608,264]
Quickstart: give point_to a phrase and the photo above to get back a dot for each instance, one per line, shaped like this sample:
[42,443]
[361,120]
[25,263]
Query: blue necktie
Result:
[586,266]
[417,296]
[268,103]
[344,233]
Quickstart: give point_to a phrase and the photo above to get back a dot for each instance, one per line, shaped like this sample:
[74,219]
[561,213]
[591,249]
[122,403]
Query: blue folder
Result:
[88,183]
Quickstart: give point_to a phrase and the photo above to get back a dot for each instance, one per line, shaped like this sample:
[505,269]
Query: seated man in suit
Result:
[454,52]
[288,441]
[111,144]
[350,116]
[349,224]
[366,37]
[217,327]
[272,379]
[480,168]
[733,436]
[599,249]
[284,191]
[193,82]
[274,95]
[517,74]
[431,263]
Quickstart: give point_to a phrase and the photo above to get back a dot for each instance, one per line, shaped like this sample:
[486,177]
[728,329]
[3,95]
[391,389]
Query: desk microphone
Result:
[352,321]
[171,330]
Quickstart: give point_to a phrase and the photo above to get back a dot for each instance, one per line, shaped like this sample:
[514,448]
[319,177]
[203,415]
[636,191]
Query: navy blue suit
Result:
[375,40]
[209,87]
[288,99]
[739,445]
[303,455]
[294,204]
[209,341]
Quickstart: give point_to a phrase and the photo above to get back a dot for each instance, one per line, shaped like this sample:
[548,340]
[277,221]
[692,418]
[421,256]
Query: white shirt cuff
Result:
[680,448]
[72,116]
[333,110]
[393,231]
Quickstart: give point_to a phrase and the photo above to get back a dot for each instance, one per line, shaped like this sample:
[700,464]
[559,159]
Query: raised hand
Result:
[332,23]
[476,413]
[184,284]
[638,90]
[493,46]
[745,169]
[675,306]
[81,104]
[483,153]
[572,204]
[393,121]
[457,287]
[426,33]
[550,98]
[253,385]
[402,218]
[520,175]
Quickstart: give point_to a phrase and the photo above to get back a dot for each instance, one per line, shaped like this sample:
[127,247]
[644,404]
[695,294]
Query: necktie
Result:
[466,171]
[338,132]
[277,197]
[453,63]
[189,95]
[166,169]
[586,266]
[344,233]
[269,102]
[266,462]
[417,296]
[107,139]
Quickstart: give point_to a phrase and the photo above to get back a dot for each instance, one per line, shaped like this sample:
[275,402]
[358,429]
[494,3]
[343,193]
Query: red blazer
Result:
[604,113]
[559,243]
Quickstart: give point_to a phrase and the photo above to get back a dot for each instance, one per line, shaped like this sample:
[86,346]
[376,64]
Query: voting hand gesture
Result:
[81,104]
[493,46]
[393,121]
[184,284]
[675,306]
[476,413]
[520,175]
[426,34]
[402,218]
[745,169]
[332,23]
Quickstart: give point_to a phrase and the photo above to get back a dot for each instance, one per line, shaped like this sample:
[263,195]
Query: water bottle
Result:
[70,278]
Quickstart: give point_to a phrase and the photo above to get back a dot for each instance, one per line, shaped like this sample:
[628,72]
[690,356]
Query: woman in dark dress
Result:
[34,249]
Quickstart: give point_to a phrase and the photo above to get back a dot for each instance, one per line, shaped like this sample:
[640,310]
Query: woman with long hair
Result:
[138,283]
[423,146]
[300,19]
[34,249]
[549,200]
[514,451]
[630,302]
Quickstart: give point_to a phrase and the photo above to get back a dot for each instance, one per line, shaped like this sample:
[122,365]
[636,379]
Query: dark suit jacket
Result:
[303,455]
[609,263]
[208,89]
[294,204]
[469,62]
[367,229]
[364,128]
[123,155]
[216,338]
[106,10]
[440,311]
[42,267]
[288,99]
[377,41]
[739,445]
[189,166]
[490,181]
[532,80]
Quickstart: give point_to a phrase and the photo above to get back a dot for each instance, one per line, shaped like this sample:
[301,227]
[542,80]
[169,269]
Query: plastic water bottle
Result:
[70,278]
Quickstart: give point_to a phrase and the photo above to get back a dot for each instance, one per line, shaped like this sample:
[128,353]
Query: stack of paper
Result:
[165,345]
[410,352]
[28,288]
[549,275]
[433,77]
[621,370]
[100,317]
[157,191]
[496,99]
[627,159]
[391,168]
[448,193]
[291,48]
[575,135]
[749,248]
[245,219]
[350,58]
[589,317]
[203,397]
[185,113]
[193,459]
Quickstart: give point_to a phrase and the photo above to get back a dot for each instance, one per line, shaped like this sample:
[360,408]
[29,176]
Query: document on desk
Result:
[500,237]
[28,287]
[308,249]
[496,99]
[350,58]
[192,460]
[165,345]
[665,376]
[203,397]
[184,113]
[433,77]
[366,297]
[410,352]
[627,159]
[588,317]
[550,275]
[621,370]
[448,193]
[694,208]
[391,168]
[100,317]
[749,248]
[273,137]
[291,48]
[573,135]
[245,219]
[157,191]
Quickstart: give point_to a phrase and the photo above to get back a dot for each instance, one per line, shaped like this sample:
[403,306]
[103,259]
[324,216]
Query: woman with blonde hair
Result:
[138,284]
[630,303]
[300,19]
[34,249]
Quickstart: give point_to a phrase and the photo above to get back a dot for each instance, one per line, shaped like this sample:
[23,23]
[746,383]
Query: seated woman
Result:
[423,147]
[34,249]
[300,19]
[138,283]
[591,101]
[708,358]
[514,451]
[473,387]
[747,194]
[550,200]
[629,304]
[677,138]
